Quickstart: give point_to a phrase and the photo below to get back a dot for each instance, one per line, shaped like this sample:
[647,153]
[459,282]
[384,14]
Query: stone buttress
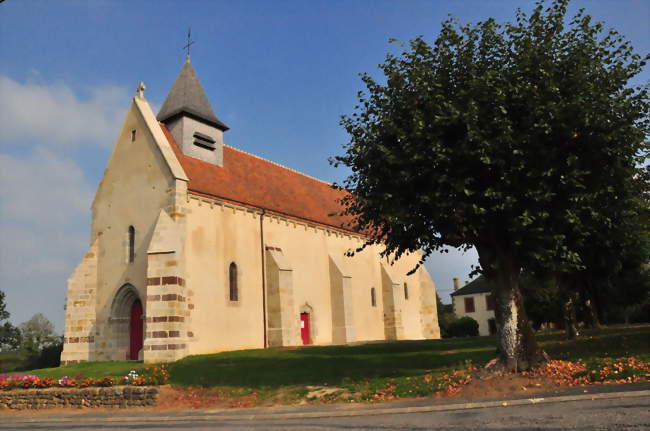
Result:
[341,297]
[428,306]
[167,302]
[390,292]
[79,332]
[282,329]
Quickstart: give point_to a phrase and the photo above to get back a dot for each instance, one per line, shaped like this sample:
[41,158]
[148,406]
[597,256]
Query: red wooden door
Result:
[135,330]
[304,328]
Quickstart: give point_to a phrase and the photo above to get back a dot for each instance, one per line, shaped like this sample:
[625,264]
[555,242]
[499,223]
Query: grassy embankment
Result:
[413,368]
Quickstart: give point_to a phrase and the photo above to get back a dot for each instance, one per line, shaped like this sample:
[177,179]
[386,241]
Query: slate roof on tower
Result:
[188,97]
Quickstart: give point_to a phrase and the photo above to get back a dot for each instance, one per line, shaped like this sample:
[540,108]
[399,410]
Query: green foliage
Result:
[463,327]
[9,335]
[497,136]
[445,316]
[47,357]
[522,139]
[14,360]
[630,296]
[4,314]
[541,299]
[37,333]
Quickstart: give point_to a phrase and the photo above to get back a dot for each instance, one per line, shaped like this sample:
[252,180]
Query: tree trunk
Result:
[591,308]
[566,286]
[569,311]
[517,348]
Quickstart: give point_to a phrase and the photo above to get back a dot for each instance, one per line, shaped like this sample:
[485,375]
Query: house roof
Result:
[187,97]
[478,285]
[249,180]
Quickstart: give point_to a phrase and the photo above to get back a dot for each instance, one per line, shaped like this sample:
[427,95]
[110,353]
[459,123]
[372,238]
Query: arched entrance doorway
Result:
[135,330]
[126,324]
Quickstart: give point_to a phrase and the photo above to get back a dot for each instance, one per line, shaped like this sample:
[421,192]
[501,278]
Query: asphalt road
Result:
[618,414]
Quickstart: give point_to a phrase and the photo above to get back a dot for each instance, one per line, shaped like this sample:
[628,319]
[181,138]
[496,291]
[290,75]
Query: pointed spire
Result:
[187,97]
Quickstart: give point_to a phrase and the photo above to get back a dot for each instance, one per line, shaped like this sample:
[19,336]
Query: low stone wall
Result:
[118,397]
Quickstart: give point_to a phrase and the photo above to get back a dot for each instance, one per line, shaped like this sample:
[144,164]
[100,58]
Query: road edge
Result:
[209,416]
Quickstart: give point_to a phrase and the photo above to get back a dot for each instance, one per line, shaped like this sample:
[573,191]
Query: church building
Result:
[199,247]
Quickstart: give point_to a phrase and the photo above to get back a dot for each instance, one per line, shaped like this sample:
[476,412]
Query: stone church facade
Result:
[198,247]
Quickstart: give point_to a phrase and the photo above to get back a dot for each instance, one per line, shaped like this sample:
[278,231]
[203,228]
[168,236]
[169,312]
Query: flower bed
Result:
[158,375]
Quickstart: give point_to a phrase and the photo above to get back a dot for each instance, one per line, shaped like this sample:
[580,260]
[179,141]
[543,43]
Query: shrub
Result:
[463,327]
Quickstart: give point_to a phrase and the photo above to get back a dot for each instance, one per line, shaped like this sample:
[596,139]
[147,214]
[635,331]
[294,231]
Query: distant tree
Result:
[37,333]
[9,334]
[541,299]
[48,357]
[445,316]
[501,137]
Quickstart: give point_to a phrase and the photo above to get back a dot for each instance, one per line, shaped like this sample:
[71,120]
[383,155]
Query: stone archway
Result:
[126,323]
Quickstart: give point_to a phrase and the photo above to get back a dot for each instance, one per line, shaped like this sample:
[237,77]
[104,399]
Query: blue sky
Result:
[279,73]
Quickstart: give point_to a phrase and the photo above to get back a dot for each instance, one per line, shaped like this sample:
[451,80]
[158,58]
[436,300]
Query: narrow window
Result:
[133,135]
[406,291]
[469,305]
[373,297]
[131,244]
[232,277]
[489,302]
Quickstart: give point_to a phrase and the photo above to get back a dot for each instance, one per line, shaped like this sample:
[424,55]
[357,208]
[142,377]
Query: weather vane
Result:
[190,42]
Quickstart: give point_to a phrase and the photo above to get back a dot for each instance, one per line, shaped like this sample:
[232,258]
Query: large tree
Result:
[500,137]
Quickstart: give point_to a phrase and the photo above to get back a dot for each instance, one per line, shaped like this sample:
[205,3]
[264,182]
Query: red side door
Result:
[304,328]
[135,330]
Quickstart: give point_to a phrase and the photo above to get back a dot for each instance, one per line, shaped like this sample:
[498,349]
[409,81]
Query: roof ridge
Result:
[278,165]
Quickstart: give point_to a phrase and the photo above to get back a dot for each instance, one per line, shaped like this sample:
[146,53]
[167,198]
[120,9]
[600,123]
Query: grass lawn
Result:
[335,364]
[88,369]
[10,361]
[363,368]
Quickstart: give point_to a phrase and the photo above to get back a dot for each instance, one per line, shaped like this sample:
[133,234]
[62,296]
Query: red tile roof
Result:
[254,182]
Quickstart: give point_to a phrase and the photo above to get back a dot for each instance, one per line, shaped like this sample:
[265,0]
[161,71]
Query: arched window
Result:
[131,244]
[232,279]
[406,291]
[373,297]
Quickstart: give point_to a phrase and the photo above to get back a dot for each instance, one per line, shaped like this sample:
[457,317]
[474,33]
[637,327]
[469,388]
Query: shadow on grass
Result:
[330,365]
[334,365]
[593,344]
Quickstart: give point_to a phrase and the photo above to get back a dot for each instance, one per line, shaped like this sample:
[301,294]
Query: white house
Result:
[475,300]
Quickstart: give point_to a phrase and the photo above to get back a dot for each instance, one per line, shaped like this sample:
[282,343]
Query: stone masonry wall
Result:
[117,397]
[80,315]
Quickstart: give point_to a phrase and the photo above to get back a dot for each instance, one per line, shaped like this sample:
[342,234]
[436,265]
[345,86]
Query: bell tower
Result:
[189,116]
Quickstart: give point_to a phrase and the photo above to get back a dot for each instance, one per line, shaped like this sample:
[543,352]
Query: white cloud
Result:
[44,221]
[55,114]
[42,188]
